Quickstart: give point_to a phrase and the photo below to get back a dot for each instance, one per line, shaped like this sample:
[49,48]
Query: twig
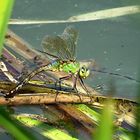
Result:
[43,98]
[124,108]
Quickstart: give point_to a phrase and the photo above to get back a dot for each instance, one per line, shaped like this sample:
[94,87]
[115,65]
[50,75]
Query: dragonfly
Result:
[63,49]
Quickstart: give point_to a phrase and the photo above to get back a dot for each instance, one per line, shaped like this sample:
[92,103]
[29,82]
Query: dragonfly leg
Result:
[13,91]
[74,85]
[84,87]
[62,79]
[75,88]
[59,81]
[56,95]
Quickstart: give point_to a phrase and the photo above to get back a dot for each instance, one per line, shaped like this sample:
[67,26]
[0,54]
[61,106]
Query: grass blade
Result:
[5,11]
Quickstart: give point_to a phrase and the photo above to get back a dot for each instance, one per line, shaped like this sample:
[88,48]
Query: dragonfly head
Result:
[84,72]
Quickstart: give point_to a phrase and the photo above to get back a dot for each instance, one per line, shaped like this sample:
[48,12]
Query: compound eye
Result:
[82,69]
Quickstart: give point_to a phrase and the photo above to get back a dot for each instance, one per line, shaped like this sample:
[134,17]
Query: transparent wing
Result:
[62,46]
[70,35]
[55,46]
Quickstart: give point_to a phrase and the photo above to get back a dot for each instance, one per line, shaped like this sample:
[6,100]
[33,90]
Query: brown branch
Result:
[125,108]
[43,99]
[43,95]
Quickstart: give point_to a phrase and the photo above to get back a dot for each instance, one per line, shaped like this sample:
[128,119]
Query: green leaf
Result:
[13,126]
[44,129]
[105,129]
[89,112]
[5,11]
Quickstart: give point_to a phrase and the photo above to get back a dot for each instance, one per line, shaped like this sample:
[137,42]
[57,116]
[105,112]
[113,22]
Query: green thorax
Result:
[68,66]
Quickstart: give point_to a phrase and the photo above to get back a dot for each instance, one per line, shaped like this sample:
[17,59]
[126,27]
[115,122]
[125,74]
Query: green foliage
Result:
[13,126]
[45,130]
[6,121]
[105,129]
[91,113]
[5,11]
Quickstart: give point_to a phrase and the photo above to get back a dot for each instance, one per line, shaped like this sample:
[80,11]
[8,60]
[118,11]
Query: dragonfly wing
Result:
[62,46]
[56,46]
[70,35]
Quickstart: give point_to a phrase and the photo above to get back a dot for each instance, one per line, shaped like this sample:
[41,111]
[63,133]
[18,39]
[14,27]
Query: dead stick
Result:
[68,97]
[43,99]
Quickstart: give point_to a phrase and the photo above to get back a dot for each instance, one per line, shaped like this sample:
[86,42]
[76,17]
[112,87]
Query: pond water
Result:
[112,42]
